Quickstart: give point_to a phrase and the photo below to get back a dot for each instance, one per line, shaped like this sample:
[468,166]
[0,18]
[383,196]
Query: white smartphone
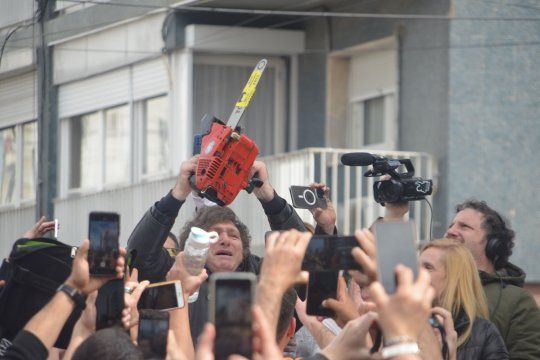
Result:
[164,296]
[395,245]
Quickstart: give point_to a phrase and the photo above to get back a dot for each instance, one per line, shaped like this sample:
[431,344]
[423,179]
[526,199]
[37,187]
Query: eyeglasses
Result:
[172,251]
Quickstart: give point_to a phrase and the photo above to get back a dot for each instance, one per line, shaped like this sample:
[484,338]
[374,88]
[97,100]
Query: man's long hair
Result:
[209,216]
[463,289]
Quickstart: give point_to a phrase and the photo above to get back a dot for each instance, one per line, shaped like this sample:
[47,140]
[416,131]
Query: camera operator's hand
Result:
[351,342]
[325,218]
[445,317]
[84,327]
[366,256]
[190,283]
[182,188]
[80,278]
[344,306]
[405,313]
[39,229]
[266,191]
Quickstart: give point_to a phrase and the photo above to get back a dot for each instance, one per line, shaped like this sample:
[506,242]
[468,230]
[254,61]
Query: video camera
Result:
[401,187]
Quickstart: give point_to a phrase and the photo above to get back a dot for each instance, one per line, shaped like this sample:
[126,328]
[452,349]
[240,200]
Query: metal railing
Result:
[351,193]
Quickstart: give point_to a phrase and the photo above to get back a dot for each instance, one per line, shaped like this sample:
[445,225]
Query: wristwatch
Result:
[74,294]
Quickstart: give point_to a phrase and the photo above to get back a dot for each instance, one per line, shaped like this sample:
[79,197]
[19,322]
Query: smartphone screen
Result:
[322,285]
[326,252]
[395,245]
[109,304]
[152,334]
[305,197]
[232,295]
[162,296]
[103,232]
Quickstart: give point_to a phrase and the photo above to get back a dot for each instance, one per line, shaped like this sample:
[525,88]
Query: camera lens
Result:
[309,197]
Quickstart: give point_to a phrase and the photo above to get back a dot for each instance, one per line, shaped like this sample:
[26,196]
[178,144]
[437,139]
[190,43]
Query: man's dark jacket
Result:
[514,311]
[153,262]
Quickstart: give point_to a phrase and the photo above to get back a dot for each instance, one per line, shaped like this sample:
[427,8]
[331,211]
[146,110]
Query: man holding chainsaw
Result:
[229,253]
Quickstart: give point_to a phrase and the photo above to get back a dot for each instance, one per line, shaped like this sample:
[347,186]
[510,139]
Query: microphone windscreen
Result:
[357,159]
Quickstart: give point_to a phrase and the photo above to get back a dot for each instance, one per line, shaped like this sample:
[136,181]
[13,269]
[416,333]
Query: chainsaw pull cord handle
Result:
[193,182]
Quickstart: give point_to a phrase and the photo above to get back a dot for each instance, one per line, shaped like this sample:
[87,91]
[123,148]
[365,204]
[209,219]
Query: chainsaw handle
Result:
[192,182]
[253,183]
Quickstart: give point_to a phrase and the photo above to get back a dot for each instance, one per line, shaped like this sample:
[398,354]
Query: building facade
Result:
[119,88]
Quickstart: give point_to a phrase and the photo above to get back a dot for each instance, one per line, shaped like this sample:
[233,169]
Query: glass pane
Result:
[117,145]
[156,140]
[354,125]
[30,159]
[216,89]
[8,160]
[85,162]
[374,121]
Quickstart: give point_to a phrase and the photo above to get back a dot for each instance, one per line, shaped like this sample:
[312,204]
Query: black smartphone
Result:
[322,285]
[395,245]
[109,304]
[162,296]
[152,334]
[103,232]
[329,252]
[304,197]
[231,297]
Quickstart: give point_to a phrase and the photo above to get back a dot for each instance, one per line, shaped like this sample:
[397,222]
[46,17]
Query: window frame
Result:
[389,96]
[19,201]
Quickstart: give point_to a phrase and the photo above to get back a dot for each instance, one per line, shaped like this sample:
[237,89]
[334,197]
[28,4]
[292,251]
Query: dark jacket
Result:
[153,262]
[484,343]
[514,311]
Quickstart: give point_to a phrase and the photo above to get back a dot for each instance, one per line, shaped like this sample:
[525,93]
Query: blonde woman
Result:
[461,302]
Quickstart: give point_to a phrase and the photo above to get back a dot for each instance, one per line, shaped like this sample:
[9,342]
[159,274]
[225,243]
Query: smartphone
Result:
[162,296]
[322,285]
[395,245]
[103,232]
[231,297]
[109,304]
[330,252]
[152,334]
[304,197]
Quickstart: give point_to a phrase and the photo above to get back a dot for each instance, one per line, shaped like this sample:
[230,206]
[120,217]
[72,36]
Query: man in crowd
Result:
[512,309]
[490,240]
[230,253]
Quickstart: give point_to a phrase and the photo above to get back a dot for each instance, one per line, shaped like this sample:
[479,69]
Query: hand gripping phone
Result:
[305,197]
[231,298]
[109,304]
[103,232]
[162,296]
[329,252]
[322,285]
[152,334]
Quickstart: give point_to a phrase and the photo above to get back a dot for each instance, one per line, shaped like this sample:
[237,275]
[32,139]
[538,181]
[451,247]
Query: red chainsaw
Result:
[227,155]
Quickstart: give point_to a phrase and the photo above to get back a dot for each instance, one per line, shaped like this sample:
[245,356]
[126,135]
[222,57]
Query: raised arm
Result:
[146,241]
[281,215]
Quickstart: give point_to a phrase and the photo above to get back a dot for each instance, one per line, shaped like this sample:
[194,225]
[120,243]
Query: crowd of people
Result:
[467,301]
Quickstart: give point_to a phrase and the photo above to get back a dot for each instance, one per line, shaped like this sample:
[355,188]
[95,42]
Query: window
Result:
[8,161]
[94,151]
[18,163]
[155,136]
[369,122]
[117,145]
[29,160]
